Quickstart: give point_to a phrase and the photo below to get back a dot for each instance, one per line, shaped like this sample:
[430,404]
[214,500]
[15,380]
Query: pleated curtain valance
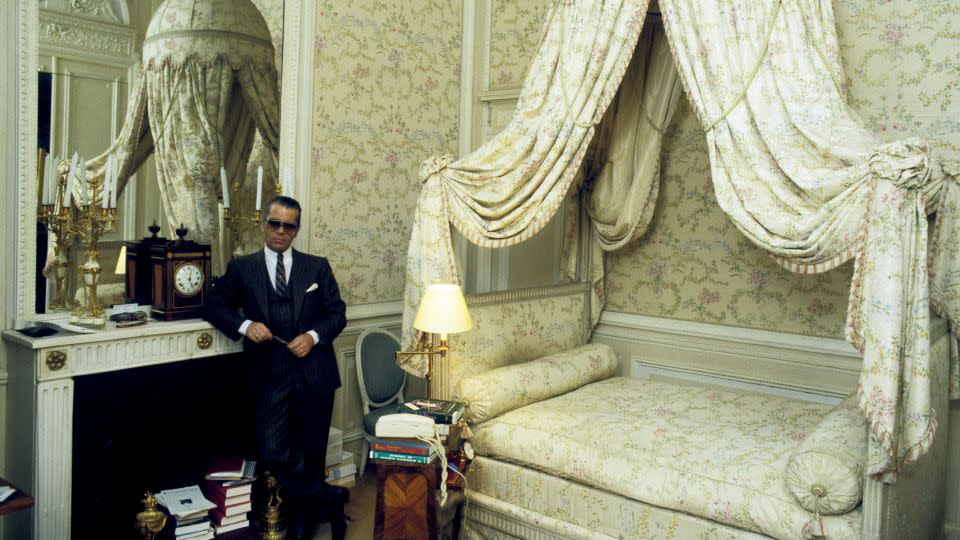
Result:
[790,165]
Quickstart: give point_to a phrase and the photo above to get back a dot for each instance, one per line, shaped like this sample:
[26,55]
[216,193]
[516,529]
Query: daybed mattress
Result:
[570,510]
[717,454]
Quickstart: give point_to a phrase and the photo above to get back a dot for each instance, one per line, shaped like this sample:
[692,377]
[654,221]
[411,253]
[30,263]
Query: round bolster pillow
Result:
[825,472]
[497,391]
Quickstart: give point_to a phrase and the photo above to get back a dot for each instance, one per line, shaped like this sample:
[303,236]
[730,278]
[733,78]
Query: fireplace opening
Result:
[153,428]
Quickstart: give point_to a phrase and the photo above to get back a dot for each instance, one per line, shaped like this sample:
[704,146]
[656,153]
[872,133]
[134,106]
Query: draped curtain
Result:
[791,166]
[509,188]
[207,84]
[801,178]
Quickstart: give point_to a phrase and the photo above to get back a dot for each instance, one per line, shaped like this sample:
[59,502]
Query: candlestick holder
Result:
[57,218]
[237,224]
[92,222]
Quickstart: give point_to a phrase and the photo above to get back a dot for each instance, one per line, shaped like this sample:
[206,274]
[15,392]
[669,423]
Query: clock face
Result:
[188,279]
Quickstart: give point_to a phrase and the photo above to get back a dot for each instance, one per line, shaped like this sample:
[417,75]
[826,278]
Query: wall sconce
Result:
[442,311]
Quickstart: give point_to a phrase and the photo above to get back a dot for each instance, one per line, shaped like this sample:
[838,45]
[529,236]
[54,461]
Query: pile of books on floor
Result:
[446,416]
[341,468]
[188,510]
[228,486]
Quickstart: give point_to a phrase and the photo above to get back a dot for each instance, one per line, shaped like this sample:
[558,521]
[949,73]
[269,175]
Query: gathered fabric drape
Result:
[623,180]
[801,178]
[207,85]
[508,189]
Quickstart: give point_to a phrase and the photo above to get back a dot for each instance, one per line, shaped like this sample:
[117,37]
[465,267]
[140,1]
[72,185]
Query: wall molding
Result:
[296,103]
[808,364]
[793,362]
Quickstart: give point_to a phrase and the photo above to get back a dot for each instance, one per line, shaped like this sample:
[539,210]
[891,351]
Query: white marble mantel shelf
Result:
[66,355]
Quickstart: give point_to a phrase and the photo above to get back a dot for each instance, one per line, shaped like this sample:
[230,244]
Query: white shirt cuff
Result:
[313,334]
[243,327]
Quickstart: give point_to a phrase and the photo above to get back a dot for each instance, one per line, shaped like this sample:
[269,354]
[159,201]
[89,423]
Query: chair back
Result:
[380,379]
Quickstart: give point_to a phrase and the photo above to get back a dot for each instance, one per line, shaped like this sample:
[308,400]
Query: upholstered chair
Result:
[381,381]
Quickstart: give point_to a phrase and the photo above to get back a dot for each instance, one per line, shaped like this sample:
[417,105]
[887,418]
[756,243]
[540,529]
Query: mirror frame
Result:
[295,139]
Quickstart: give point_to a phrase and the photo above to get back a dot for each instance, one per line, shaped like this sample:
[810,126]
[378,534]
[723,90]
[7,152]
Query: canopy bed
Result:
[791,166]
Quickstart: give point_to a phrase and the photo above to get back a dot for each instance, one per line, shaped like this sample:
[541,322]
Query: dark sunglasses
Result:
[276,225]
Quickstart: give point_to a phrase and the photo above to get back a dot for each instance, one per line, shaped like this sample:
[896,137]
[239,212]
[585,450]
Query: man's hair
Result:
[286,202]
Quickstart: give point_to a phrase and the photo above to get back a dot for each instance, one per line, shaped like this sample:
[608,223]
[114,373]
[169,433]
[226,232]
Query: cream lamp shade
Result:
[443,311]
[121,261]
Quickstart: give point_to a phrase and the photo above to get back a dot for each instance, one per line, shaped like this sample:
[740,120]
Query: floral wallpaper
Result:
[386,97]
[515,30]
[902,61]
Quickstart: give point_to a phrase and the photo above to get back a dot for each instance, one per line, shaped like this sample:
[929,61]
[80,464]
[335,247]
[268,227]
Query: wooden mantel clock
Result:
[181,278]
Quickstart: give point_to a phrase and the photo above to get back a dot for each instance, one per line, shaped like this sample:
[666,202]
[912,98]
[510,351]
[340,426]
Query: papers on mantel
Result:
[184,501]
[6,492]
[62,324]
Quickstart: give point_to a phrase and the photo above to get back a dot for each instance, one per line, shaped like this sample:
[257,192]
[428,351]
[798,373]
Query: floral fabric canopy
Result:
[791,166]
[207,82]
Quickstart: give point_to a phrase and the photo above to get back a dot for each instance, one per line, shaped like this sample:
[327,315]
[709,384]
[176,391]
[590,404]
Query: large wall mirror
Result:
[79,62]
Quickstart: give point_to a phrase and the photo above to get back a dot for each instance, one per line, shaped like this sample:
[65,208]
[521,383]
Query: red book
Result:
[399,448]
[221,521]
[218,513]
[218,492]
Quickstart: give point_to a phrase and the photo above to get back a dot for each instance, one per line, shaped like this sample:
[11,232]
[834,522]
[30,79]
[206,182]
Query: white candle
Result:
[223,186]
[87,197]
[259,185]
[287,182]
[107,176]
[45,191]
[69,188]
[114,182]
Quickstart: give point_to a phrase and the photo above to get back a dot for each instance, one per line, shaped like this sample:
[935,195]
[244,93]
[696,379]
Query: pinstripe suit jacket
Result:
[242,293]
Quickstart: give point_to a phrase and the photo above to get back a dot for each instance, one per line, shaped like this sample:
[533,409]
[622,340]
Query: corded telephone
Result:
[405,425]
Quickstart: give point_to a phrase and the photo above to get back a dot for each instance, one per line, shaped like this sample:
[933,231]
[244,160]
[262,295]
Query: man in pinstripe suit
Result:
[291,313]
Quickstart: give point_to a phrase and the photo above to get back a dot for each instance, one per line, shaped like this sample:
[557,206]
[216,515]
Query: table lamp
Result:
[442,311]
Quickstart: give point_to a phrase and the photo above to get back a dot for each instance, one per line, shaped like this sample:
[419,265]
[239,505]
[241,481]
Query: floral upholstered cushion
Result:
[825,472]
[489,394]
[714,453]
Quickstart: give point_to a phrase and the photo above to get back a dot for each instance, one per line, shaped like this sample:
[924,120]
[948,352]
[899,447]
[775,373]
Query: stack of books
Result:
[343,471]
[446,416]
[402,450]
[334,446]
[188,508]
[229,485]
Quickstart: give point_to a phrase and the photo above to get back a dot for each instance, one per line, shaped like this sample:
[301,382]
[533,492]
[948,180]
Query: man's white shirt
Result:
[270,259]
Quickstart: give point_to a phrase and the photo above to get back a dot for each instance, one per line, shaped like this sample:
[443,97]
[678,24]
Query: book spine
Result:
[401,448]
[438,417]
[395,456]
[340,472]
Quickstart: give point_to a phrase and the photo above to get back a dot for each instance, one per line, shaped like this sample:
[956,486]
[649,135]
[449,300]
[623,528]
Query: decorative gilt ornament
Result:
[56,360]
[204,341]
[151,520]
[271,529]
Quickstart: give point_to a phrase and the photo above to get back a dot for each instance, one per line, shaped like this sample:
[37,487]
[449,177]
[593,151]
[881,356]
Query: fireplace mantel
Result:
[114,348]
[40,390]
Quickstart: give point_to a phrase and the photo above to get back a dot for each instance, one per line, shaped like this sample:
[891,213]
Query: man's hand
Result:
[301,345]
[258,333]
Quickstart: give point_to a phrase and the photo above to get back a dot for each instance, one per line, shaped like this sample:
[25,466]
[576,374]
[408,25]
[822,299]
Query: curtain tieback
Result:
[433,165]
[904,163]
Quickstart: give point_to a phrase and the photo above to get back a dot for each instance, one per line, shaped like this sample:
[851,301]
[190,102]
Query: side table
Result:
[408,504]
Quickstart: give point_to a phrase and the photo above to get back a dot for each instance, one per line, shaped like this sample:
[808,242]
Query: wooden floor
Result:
[361,509]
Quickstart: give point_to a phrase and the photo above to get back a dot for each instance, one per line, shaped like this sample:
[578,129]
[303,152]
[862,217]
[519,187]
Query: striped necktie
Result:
[281,276]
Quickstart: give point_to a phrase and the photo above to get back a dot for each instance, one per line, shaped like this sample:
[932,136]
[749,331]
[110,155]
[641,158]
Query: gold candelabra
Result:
[237,224]
[57,219]
[92,222]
